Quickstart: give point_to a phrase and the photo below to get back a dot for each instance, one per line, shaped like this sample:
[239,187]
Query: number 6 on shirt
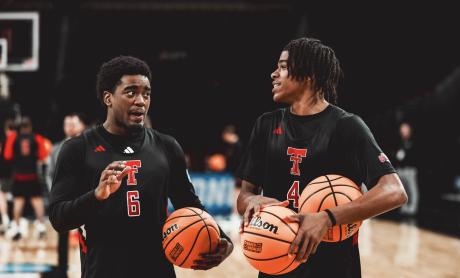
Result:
[134,206]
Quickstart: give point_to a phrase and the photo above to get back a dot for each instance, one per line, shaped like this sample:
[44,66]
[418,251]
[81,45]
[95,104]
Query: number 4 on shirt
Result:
[293,194]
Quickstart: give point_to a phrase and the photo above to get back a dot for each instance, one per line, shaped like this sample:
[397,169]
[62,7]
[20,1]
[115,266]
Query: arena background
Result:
[211,63]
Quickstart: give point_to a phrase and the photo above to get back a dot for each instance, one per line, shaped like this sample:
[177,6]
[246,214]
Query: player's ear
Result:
[107,97]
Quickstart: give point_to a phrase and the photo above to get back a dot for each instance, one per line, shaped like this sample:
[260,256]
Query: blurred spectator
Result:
[405,159]
[73,126]
[26,149]
[232,147]
[5,176]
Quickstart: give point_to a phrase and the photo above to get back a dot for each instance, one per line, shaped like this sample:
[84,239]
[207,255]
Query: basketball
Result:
[187,233]
[327,192]
[267,238]
[217,162]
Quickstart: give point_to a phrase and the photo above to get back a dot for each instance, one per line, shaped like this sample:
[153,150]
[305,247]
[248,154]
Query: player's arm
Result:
[386,190]
[182,194]
[386,195]
[251,172]
[73,201]
[181,190]
[250,201]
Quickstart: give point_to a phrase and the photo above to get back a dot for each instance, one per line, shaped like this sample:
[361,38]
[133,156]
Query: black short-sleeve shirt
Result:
[287,150]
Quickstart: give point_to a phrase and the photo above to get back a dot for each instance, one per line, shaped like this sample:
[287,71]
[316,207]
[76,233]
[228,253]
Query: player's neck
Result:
[307,107]
[114,129]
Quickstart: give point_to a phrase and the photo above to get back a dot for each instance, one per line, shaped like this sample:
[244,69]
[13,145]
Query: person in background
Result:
[73,126]
[26,150]
[405,162]
[5,176]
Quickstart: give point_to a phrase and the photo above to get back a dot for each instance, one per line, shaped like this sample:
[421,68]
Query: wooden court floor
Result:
[388,249]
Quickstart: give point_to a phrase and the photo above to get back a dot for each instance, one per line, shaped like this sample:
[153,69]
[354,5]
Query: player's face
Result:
[285,89]
[130,101]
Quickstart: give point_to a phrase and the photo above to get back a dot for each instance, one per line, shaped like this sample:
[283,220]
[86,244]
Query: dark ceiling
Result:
[212,59]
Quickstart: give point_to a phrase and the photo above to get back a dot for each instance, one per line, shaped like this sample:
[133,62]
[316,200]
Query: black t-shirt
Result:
[287,150]
[123,233]
[5,166]
[25,154]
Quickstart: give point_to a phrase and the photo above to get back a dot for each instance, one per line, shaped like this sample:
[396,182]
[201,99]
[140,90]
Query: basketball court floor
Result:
[388,249]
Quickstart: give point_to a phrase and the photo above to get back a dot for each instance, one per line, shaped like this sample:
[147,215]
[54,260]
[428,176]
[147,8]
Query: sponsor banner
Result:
[215,191]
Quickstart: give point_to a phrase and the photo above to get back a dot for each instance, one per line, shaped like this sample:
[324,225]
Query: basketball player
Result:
[113,181]
[291,146]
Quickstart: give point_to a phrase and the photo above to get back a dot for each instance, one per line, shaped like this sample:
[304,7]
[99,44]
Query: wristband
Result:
[331,217]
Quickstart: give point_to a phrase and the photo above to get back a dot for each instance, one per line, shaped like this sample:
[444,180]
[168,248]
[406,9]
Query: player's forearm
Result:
[68,215]
[243,200]
[386,195]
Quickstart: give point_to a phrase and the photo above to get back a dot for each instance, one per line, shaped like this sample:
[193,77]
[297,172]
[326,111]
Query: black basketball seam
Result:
[277,239]
[321,204]
[175,217]
[206,225]
[334,185]
[212,227]
[335,201]
[326,181]
[286,266]
[347,185]
[303,203]
[341,193]
[186,227]
[325,197]
[193,246]
[281,221]
[267,259]
[184,215]
[322,201]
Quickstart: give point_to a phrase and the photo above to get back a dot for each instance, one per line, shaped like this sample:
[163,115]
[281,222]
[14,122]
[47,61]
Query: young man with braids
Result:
[113,181]
[291,146]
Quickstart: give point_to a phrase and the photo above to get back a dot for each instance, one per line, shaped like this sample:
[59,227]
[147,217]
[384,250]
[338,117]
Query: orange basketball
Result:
[327,192]
[217,162]
[267,238]
[187,233]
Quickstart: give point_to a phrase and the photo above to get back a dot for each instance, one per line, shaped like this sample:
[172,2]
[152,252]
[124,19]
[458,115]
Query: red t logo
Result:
[135,165]
[296,157]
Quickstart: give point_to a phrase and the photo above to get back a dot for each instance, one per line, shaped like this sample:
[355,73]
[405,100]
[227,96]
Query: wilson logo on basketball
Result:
[250,246]
[257,223]
[171,229]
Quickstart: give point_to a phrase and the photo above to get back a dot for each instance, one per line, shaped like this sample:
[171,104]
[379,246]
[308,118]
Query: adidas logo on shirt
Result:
[128,150]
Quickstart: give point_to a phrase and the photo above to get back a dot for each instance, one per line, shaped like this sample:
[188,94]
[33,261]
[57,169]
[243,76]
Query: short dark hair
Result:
[309,57]
[110,73]
[81,117]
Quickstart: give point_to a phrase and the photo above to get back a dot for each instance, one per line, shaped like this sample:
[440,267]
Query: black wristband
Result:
[331,216]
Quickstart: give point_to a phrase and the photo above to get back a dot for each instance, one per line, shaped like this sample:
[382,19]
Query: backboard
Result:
[19,33]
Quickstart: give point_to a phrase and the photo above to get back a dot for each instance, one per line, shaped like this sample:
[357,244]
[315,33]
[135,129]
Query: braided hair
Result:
[308,57]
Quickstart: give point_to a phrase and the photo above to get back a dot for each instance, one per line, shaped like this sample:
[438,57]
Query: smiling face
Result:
[128,104]
[285,88]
